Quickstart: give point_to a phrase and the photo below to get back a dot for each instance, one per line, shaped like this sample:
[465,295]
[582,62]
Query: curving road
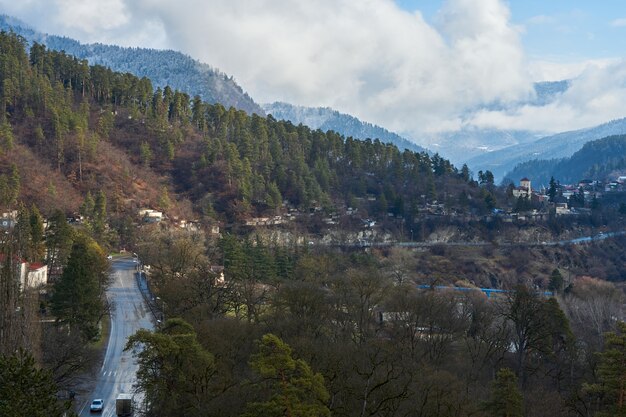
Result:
[129,313]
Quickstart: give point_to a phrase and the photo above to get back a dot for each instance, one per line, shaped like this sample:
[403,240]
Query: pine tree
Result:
[287,386]
[611,385]
[38,249]
[25,389]
[552,189]
[78,298]
[506,399]
[145,153]
[99,217]
[14,183]
[556,281]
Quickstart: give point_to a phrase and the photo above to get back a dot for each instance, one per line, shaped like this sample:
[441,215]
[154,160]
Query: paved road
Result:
[576,241]
[129,314]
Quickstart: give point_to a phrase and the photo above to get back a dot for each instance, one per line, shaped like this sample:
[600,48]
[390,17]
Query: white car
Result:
[96,405]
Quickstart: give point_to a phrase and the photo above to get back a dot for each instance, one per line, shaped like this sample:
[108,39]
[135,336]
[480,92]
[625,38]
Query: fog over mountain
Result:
[550,147]
[480,145]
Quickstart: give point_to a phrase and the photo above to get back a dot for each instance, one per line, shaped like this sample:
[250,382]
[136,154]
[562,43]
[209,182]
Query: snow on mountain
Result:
[163,67]
[325,118]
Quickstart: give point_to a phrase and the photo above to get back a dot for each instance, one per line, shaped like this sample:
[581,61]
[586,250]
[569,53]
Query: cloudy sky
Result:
[413,66]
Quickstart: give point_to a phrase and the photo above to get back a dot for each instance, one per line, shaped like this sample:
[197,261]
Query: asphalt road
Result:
[575,241]
[129,314]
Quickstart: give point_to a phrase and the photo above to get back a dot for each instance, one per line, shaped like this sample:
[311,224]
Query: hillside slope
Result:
[112,134]
[325,118]
[557,146]
[596,160]
[163,68]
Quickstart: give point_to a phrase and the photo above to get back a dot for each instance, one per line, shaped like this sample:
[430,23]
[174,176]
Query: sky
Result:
[417,67]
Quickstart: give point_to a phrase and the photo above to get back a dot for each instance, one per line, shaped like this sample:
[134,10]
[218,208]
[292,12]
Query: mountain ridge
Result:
[560,145]
[596,160]
[162,67]
[326,118]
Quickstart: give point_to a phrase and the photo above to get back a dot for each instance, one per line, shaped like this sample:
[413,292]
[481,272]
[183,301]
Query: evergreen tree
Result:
[36,234]
[99,216]
[287,386]
[14,183]
[611,372]
[59,239]
[145,153]
[78,297]
[175,371]
[552,190]
[25,389]
[506,399]
[556,281]
[86,209]
[465,173]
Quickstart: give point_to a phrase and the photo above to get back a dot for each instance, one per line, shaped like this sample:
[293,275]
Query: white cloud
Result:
[561,69]
[541,19]
[111,21]
[368,57]
[595,96]
[618,23]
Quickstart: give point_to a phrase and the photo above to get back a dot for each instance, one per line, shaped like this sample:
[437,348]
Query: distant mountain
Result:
[595,160]
[547,91]
[561,145]
[472,142]
[163,67]
[325,118]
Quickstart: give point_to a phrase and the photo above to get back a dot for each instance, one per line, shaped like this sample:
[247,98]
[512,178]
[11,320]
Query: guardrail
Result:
[488,291]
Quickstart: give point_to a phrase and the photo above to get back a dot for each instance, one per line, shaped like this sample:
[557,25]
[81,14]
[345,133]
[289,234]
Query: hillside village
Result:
[215,262]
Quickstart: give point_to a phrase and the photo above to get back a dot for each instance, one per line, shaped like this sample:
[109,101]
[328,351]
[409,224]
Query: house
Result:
[8,219]
[257,221]
[524,189]
[37,275]
[29,275]
[150,216]
[612,186]
[561,208]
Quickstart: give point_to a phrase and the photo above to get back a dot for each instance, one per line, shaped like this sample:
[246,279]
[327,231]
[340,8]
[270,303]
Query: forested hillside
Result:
[163,68]
[596,160]
[561,145]
[325,118]
[105,130]
[304,328]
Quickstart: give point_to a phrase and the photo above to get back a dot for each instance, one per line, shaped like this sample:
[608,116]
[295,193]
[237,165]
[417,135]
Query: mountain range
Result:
[561,145]
[181,72]
[597,159]
[325,118]
[162,67]
[481,149]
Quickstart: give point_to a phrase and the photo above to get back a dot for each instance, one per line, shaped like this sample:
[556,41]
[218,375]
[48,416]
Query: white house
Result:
[524,189]
[37,275]
[33,275]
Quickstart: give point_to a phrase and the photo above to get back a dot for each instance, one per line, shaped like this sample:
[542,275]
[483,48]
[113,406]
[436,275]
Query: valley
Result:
[166,237]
